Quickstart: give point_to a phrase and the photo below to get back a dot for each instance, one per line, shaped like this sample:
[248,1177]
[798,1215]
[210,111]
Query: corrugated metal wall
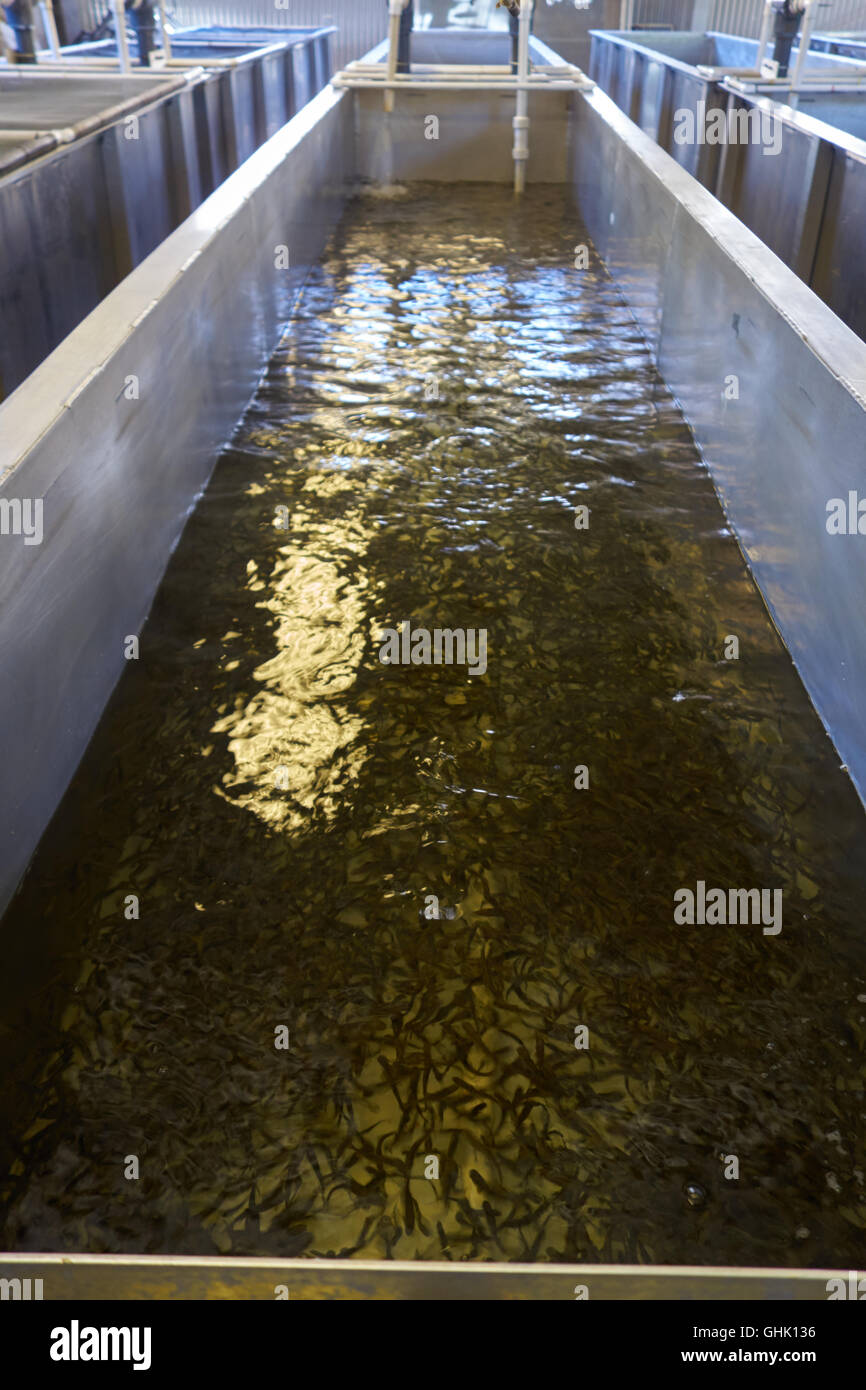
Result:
[743,16]
[361,23]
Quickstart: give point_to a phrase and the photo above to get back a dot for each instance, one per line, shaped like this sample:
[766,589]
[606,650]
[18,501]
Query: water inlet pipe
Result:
[521,118]
[166,36]
[809,18]
[764,40]
[46,9]
[396,8]
[119,11]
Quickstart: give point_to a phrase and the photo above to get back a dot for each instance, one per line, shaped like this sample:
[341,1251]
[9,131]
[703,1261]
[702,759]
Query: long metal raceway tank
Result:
[117,432]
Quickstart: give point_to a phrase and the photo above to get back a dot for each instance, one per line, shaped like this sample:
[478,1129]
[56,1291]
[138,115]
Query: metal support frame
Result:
[463,77]
[396,8]
[805,40]
[764,40]
[166,36]
[122,42]
[46,9]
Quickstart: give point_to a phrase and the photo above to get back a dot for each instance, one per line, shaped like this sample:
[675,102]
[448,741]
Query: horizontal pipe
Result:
[47,70]
[780,90]
[501,86]
[462,69]
[419,69]
[480,81]
[63,136]
[72,60]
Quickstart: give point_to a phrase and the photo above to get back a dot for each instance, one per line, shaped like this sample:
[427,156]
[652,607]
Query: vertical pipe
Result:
[521,119]
[626,14]
[805,40]
[46,9]
[166,37]
[396,11]
[122,45]
[764,40]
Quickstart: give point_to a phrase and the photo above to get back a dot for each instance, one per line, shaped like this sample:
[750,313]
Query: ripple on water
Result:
[287,810]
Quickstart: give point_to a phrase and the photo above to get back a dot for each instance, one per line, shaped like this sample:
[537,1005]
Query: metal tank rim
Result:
[71,1277]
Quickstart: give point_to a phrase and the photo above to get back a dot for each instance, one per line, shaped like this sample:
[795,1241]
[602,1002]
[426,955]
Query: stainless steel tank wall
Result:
[74,223]
[653,77]
[782,197]
[117,433]
[725,316]
[153,1277]
[846,45]
[807,202]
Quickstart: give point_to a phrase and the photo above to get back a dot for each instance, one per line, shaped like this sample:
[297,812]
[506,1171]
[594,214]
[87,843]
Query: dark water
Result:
[303,904]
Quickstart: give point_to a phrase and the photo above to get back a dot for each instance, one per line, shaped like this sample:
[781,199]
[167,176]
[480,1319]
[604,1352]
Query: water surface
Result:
[283,805]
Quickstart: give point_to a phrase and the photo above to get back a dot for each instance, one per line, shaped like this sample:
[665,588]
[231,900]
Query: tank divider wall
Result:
[116,434]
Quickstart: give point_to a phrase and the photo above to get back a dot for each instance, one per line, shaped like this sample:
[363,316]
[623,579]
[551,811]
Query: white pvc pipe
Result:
[521,119]
[626,14]
[764,40]
[500,85]
[462,72]
[122,45]
[396,10]
[65,136]
[166,37]
[46,9]
[805,41]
